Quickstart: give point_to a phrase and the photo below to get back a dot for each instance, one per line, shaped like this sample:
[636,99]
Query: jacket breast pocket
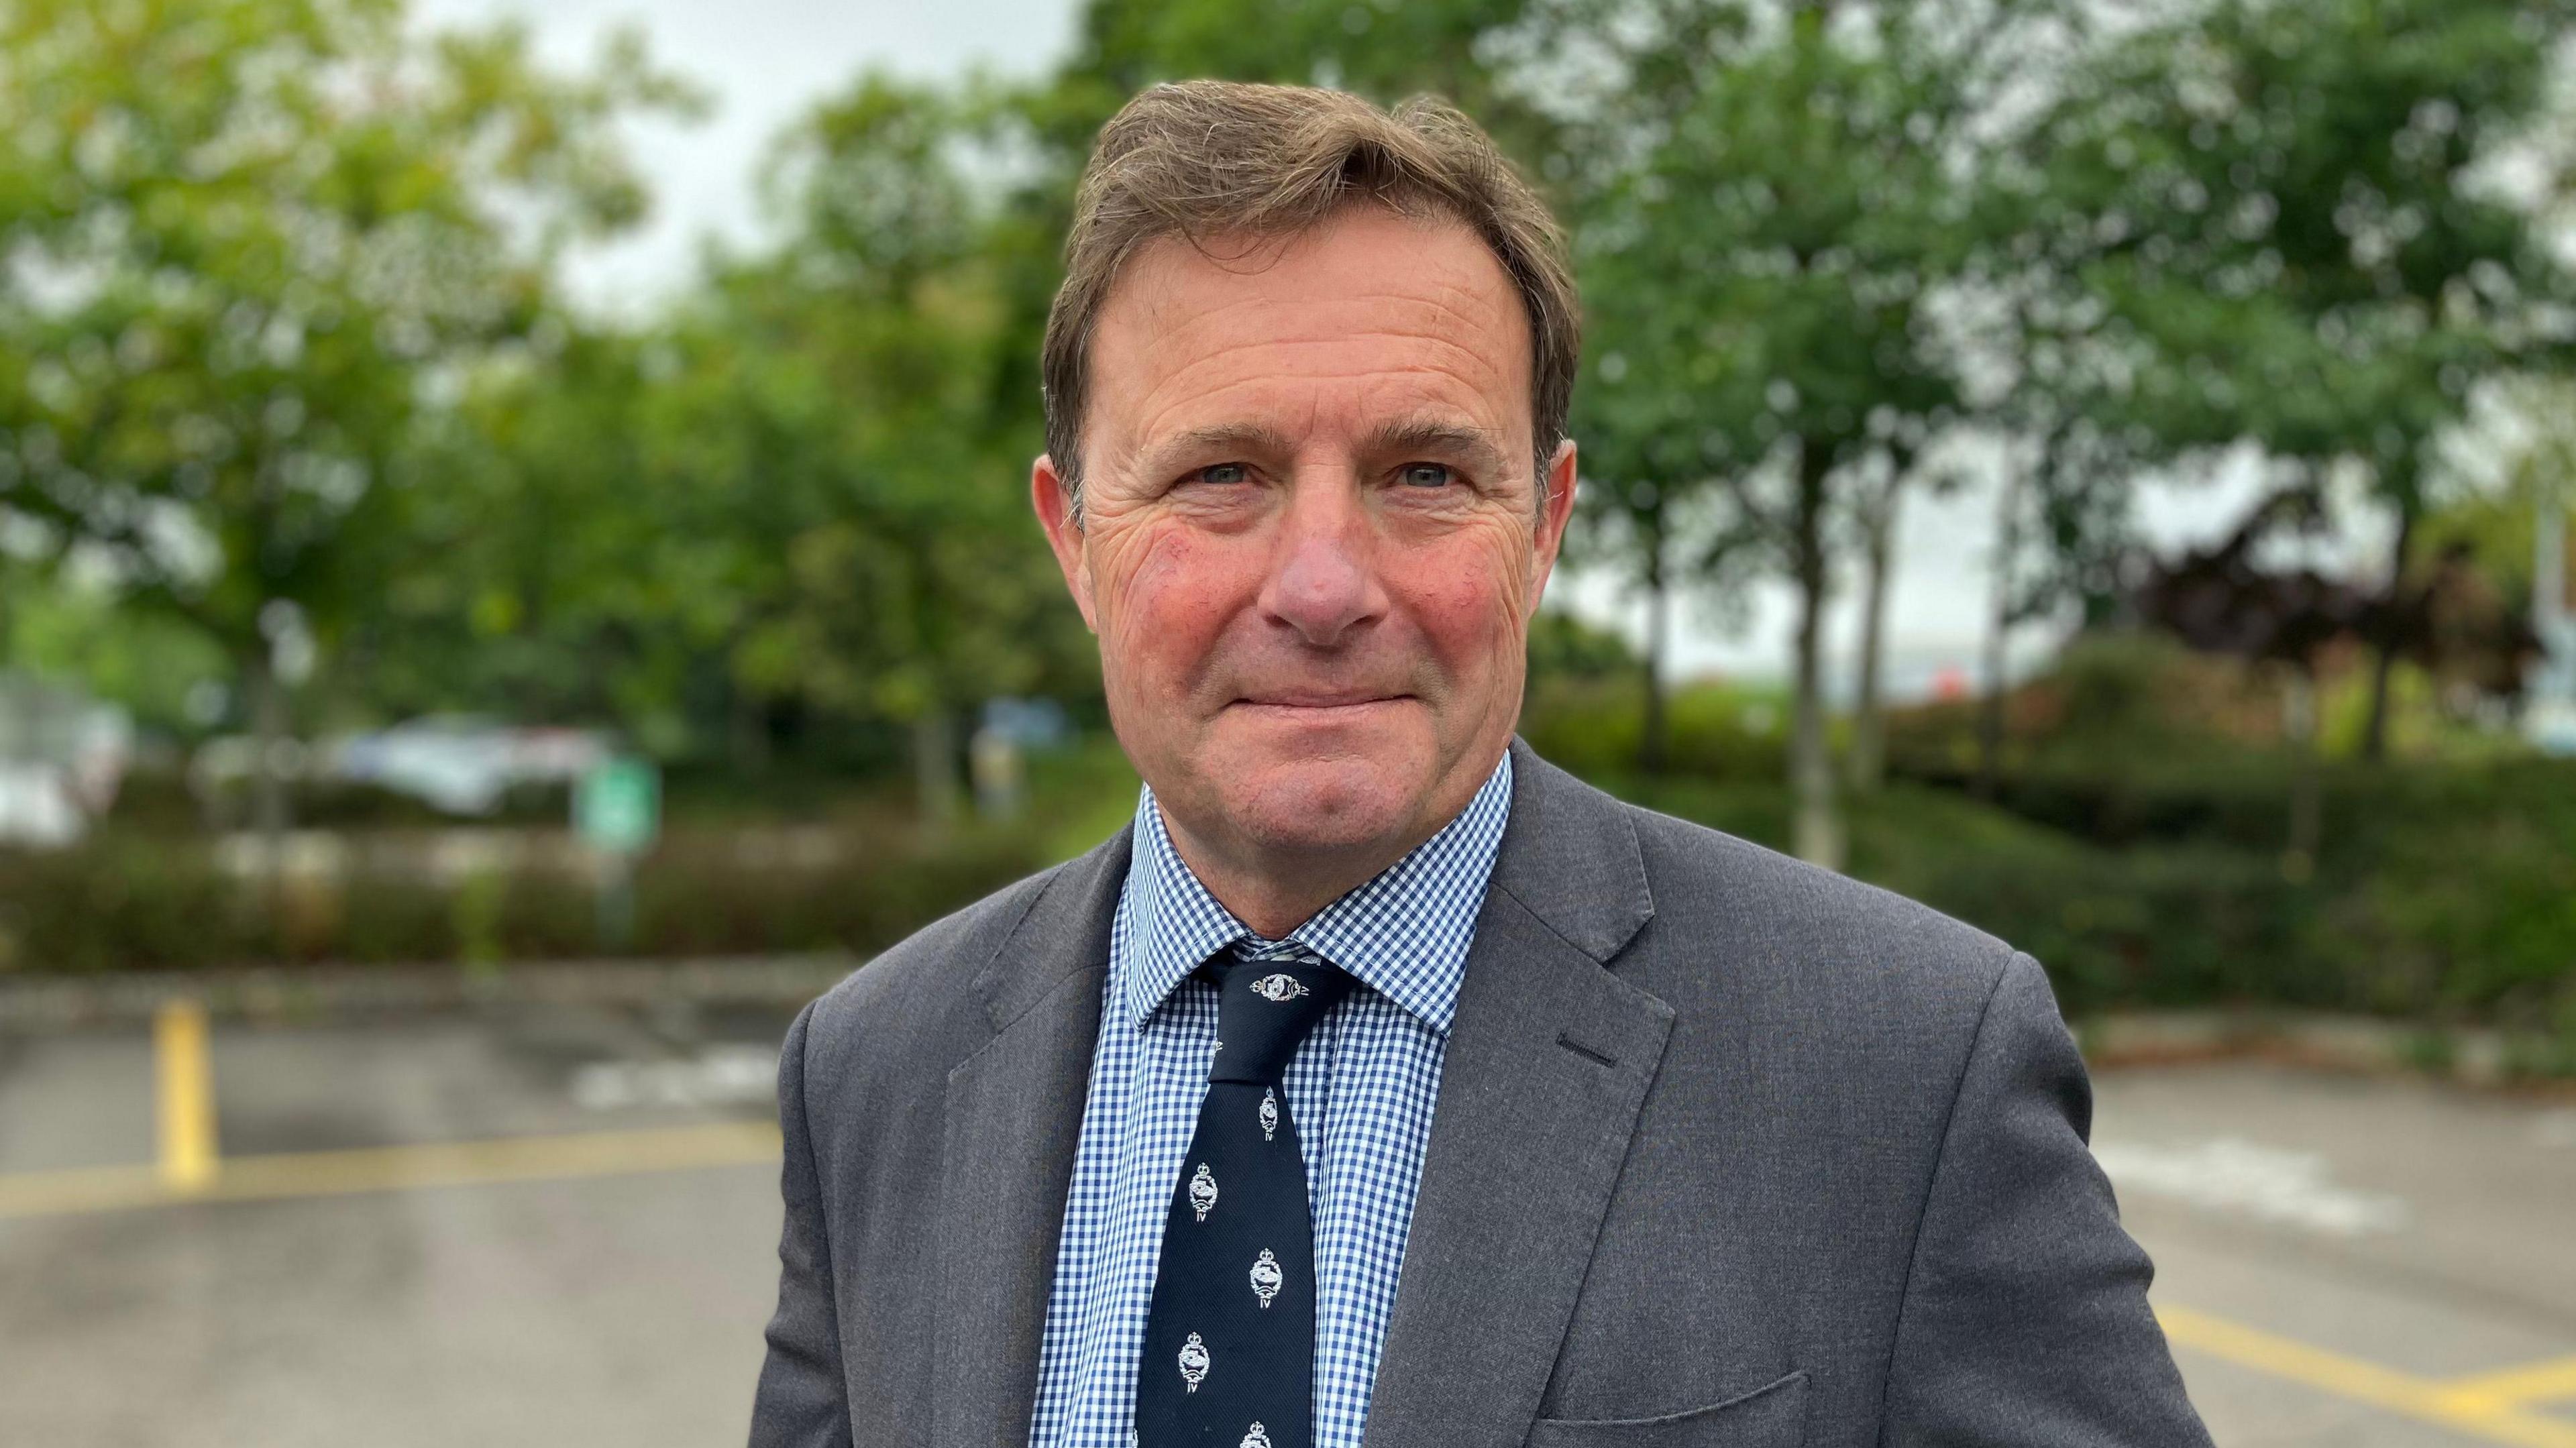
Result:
[1771,1416]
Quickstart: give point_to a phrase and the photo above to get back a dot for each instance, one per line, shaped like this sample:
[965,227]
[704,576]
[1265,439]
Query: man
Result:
[1383,1083]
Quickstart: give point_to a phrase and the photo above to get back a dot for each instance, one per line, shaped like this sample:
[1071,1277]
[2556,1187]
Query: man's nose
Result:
[1323,582]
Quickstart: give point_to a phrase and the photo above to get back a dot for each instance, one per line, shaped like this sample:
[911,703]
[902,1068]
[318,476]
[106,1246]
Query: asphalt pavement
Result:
[550,1224]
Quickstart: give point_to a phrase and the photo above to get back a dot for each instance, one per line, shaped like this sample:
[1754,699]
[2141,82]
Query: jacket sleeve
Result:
[799,1403]
[2025,1318]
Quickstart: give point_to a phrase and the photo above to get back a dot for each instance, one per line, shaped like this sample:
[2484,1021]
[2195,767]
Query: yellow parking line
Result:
[2513,1387]
[2486,1405]
[83,1189]
[2424,1399]
[187,1097]
[396,1168]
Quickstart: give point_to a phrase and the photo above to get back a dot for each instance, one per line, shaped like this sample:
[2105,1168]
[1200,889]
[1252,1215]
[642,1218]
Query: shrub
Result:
[124,904]
[2442,892]
[1593,727]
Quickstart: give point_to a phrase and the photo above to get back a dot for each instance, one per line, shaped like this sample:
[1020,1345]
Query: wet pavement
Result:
[2342,1260]
[2363,1262]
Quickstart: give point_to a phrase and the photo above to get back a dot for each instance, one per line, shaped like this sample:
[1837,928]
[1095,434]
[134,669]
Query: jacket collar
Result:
[1570,856]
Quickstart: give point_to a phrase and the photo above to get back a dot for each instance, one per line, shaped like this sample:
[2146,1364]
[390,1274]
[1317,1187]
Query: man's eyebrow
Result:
[1418,436]
[1407,437]
[1246,439]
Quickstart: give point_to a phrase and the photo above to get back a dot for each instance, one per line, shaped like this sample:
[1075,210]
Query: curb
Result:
[304,993]
[2472,1056]
[2113,1041]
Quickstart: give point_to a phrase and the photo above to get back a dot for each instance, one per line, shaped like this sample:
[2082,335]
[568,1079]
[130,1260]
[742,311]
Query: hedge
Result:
[2139,876]
[2441,893]
[130,903]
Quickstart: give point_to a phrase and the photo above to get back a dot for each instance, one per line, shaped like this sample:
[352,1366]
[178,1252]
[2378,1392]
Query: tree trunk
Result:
[747,732]
[2553,609]
[266,696]
[2374,735]
[2307,806]
[1818,831]
[1999,621]
[934,766]
[1869,716]
[1654,740]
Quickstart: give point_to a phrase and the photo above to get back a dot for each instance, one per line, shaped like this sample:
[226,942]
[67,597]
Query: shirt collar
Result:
[1404,933]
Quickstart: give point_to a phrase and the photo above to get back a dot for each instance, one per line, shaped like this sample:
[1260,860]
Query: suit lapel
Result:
[1547,1066]
[1014,1117]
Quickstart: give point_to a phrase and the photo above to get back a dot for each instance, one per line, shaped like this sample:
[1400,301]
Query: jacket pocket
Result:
[1771,1416]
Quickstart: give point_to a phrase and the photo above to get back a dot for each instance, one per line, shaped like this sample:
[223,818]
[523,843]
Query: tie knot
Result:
[1265,1006]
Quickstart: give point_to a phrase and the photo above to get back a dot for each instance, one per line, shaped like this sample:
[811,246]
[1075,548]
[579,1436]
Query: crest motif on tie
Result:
[1194,1361]
[1255,1439]
[1265,1277]
[1279,987]
[1202,1191]
[1269,1113]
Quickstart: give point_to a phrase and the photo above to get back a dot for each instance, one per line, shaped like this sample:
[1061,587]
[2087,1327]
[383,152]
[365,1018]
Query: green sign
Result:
[617,806]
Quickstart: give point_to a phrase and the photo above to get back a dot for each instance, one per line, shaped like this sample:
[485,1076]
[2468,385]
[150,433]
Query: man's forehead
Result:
[1369,317]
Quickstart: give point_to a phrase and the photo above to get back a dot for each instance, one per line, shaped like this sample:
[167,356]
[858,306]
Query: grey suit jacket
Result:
[1728,1150]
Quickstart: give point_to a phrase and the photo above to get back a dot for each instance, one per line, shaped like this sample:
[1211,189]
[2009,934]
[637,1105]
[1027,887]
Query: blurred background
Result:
[515,573]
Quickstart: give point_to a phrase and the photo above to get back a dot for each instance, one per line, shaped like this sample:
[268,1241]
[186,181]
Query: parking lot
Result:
[554,1223]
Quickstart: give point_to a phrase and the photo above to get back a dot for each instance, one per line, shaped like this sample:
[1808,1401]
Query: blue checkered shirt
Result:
[1360,1089]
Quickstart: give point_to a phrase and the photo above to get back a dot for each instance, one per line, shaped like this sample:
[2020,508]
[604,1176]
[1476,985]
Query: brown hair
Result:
[1205,158]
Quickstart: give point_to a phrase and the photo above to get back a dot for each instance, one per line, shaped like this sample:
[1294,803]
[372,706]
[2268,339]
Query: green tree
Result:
[542,570]
[2288,225]
[1764,278]
[254,245]
[788,512]
[853,403]
[1477,53]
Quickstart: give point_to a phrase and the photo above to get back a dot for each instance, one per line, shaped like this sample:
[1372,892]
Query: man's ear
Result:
[1550,533]
[1057,514]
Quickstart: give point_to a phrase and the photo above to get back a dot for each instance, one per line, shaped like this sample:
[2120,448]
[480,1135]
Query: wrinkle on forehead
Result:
[1373,308]
[1175,337]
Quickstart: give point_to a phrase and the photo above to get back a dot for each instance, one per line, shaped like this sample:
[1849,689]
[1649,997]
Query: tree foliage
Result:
[1788,203]
[797,498]
[2315,228]
[248,246]
[283,357]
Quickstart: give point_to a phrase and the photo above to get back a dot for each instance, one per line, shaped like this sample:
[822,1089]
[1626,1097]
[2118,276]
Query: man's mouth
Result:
[1318,700]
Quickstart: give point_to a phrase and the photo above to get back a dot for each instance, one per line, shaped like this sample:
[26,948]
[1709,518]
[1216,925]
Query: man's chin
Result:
[1327,803]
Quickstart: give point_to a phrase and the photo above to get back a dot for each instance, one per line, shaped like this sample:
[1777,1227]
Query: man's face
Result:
[1310,535]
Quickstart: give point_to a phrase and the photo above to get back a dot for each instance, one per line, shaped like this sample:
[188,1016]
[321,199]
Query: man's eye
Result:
[1222,474]
[1427,475]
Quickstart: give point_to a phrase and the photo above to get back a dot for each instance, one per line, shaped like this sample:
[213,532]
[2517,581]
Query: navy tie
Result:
[1229,1355]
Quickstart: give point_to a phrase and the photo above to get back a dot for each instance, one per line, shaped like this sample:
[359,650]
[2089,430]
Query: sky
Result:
[763,63]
